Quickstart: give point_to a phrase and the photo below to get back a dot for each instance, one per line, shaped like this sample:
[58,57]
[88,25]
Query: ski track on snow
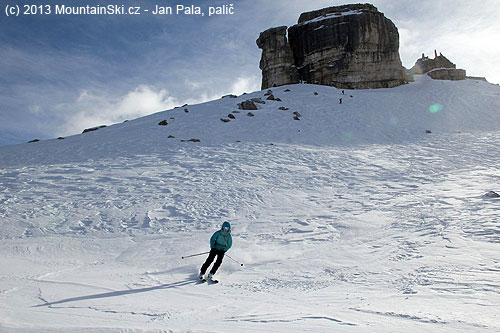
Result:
[389,236]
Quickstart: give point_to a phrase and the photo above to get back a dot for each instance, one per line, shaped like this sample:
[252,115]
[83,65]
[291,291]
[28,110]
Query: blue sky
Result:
[61,74]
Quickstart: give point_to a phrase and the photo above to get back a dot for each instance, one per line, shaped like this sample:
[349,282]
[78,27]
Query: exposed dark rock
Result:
[92,129]
[428,131]
[191,140]
[236,111]
[297,114]
[269,92]
[478,78]
[276,63]
[277,99]
[186,110]
[230,96]
[447,74]
[425,64]
[492,194]
[282,108]
[250,114]
[60,138]
[315,93]
[33,141]
[270,98]
[296,118]
[247,105]
[231,116]
[286,90]
[258,100]
[224,120]
[163,123]
[439,68]
[350,46]
[171,137]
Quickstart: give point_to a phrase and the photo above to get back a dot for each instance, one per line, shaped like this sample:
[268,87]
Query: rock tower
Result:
[351,47]
[277,62]
[439,68]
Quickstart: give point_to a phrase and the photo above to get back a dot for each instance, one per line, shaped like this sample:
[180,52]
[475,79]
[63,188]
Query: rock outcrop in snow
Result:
[425,64]
[447,74]
[350,46]
[277,62]
[492,194]
[439,68]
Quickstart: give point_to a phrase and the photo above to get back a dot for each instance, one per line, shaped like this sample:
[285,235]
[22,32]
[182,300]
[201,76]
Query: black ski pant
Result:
[211,257]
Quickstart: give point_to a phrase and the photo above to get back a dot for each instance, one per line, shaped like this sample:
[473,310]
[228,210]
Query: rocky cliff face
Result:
[277,64]
[351,46]
[452,74]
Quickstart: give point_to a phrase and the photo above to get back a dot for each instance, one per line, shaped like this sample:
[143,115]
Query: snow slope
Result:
[383,116]
[350,219]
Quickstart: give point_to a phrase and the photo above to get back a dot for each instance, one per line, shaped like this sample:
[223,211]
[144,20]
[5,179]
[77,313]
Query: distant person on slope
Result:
[220,242]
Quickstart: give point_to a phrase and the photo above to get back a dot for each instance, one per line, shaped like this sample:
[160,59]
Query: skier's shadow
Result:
[193,280]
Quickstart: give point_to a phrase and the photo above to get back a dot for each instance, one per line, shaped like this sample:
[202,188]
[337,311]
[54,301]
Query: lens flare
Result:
[347,136]
[434,108]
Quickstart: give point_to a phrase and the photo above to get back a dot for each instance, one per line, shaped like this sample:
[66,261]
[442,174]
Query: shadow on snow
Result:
[122,292]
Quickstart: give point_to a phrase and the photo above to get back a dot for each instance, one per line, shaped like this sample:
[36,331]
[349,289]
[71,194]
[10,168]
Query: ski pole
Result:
[194,255]
[227,255]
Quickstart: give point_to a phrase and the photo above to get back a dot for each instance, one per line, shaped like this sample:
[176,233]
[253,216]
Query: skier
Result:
[220,242]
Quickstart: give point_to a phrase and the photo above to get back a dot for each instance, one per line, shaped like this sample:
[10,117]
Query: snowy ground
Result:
[359,222]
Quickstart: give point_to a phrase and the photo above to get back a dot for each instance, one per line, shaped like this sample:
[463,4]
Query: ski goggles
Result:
[225,228]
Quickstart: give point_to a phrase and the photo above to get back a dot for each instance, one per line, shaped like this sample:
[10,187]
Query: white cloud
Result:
[35,109]
[475,52]
[191,84]
[91,108]
[245,84]
[206,91]
[241,85]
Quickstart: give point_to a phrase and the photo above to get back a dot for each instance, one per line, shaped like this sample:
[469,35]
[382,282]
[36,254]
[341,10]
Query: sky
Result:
[60,74]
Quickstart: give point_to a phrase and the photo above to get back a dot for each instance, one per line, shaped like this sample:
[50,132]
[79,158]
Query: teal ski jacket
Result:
[221,240]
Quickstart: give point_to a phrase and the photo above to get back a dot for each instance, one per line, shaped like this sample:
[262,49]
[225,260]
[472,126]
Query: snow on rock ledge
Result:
[349,47]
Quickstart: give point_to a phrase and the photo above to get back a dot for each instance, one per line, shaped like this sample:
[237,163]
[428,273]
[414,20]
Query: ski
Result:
[207,278]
